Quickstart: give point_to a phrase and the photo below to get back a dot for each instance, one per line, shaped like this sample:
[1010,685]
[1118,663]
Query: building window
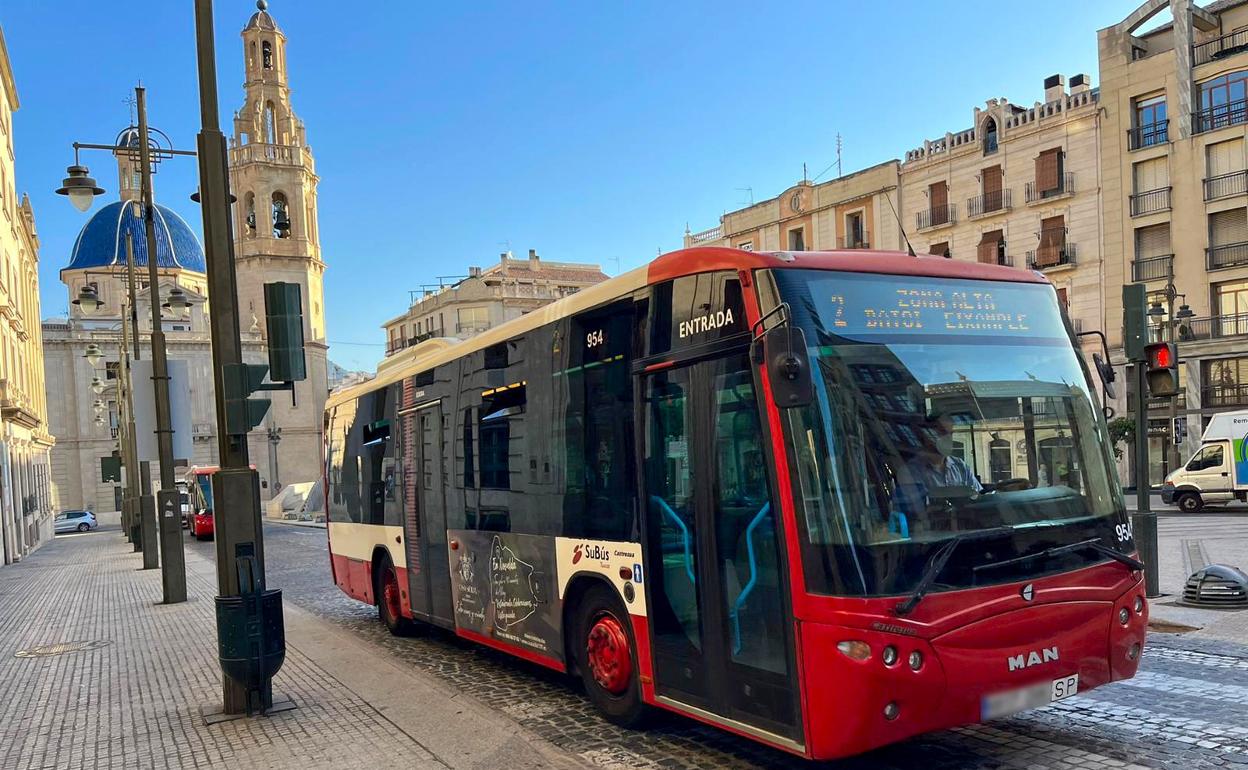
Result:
[270,124]
[470,320]
[266,49]
[1224,169]
[1150,122]
[746,245]
[1230,302]
[1225,382]
[940,250]
[855,231]
[281,216]
[249,218]
[1153,256]
[1228,238]
[1151,187]
[991,249]
[1052,248]
[797,239]
[1222,102]
[1049,172]
[990,136]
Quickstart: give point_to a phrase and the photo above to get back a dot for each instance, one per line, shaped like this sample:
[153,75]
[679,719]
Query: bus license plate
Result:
[1033,696]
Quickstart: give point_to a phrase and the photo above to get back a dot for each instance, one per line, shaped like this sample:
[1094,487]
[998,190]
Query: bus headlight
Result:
[889,656]
[1123,616]
[916,660]
[855,650]
[1139,604]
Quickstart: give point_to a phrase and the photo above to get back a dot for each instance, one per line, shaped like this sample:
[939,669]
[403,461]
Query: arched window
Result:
[990,136]
[281,216]
[249,214]
[267,53]
[251,56]
[270,124]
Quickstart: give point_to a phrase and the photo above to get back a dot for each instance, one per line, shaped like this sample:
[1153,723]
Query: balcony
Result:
[1148,135]
[937,216]
[1063,256]
[471,327]
[1215,328]
[1220,116]
[14,406]
[400,344]
[1226,185]
[1235,394]
[855,241]
[1150,202]
[1065,186]
[713,234]
[1152,268]
[989,203]
[1227,255]
[1219,47]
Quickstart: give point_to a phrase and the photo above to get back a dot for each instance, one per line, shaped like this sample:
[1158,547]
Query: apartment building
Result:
[855,211]
[1020,188]
[26,502]
[1175,200]
[464,306]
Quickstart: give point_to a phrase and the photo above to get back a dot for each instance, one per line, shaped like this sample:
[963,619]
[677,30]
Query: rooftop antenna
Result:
[749,190]
[616,260]
[838,155]
[900,227]
[803,172]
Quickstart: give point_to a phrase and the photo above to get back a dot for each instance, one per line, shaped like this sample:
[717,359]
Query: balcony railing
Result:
[471,327]
[1065,186]
[1060,257]
[935,216]
[1220,116]
[988,203]
[1152,268]
[1150,201]
[1215,328]
[1227,255]
[1224,395]
[1218,47]
[1226,185]
[402,344]
[713,234]
[1148,135]
[859,241]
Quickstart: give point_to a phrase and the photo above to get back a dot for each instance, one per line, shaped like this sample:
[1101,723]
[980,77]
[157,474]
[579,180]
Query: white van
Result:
[1218,473]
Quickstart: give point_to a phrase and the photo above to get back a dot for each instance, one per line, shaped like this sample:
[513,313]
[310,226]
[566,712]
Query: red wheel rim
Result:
[390,593]
[610,660]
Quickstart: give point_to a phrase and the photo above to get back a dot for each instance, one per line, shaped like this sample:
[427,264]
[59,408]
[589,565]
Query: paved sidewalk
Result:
[95,673]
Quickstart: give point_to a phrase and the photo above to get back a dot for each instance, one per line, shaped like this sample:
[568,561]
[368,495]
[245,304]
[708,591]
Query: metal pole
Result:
[1144,522]
[173,573]
[132,460]
[236,487]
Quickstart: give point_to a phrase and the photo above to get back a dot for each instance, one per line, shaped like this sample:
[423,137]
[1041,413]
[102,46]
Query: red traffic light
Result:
[1161,356]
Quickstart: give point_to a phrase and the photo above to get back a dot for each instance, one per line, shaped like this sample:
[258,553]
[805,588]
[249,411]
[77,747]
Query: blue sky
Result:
[446,133]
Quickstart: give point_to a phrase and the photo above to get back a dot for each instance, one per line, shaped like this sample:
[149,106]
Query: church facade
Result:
[273,177]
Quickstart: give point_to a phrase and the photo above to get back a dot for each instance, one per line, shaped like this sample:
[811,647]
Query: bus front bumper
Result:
[984,670]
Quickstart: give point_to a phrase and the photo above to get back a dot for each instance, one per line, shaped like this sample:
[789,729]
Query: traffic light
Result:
[283,318]
[243,413]
[1134,321]
[1162,361]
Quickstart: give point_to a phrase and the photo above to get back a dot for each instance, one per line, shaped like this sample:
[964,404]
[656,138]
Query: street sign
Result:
[145,409]
[1178,431]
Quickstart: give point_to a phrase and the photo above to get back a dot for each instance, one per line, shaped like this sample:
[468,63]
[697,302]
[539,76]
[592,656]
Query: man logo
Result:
[1032,658]
[1028,592]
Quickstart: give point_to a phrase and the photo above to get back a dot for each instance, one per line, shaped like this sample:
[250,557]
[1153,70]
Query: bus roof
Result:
[438,351]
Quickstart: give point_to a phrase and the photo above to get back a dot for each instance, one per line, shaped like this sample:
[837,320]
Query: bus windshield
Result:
[204,482]
[942,407]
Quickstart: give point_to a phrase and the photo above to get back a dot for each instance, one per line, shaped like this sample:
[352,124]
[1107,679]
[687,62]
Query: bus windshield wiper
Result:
[1093,543]
[937,563]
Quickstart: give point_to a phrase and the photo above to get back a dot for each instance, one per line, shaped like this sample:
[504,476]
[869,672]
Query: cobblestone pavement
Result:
[1188,708]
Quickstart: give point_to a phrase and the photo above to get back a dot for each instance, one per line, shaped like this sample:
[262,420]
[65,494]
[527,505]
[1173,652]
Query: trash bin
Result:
[251,636]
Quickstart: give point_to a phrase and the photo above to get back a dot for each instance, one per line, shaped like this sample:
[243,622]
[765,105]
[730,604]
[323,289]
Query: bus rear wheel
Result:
[606,656]
[389,600]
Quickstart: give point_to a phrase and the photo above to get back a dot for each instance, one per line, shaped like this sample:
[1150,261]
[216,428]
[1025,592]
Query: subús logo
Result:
[591,552]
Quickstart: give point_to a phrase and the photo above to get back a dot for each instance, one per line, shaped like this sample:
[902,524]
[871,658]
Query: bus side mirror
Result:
[784,354]
[1106,373]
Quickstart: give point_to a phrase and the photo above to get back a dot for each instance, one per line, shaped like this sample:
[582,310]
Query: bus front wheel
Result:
[389,598]
[606,656]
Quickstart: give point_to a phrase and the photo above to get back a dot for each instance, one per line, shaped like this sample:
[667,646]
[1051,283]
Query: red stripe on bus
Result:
[519,652]
[659,365]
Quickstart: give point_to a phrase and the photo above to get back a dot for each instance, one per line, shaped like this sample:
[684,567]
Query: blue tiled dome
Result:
[102,241]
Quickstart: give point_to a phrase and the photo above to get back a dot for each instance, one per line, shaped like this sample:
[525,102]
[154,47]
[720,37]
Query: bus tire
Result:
[386,589]
[606,656]
[1190,502]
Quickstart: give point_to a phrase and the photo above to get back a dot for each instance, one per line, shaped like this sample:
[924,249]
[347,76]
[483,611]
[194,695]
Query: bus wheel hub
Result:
[390,594]
[610,661]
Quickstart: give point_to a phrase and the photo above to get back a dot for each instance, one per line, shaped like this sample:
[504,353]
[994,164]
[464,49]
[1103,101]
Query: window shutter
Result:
[1152,241]
[938,195]
[1052,241]
[992,180]
[986,251]
[1062,299]
[1225,157]
[1151,175]
[1048,171]
[1227,227]
[939,249]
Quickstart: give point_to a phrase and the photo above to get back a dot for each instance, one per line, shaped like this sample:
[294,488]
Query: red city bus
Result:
[198,482]
[823,500]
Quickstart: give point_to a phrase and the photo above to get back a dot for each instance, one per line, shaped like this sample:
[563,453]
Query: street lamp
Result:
[93,354]
[88,299]
[177,302]
[79,186]
[97,385]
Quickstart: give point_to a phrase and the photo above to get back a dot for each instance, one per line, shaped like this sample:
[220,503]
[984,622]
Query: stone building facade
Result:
[1020,188]
[487,298]
[849,212]
[26,500]
[285,448]
[1175,197]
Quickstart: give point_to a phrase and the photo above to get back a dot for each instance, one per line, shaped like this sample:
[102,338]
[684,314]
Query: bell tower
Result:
[273,177]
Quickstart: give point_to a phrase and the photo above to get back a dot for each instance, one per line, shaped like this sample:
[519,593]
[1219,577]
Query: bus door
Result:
[424,522]
[720,621]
